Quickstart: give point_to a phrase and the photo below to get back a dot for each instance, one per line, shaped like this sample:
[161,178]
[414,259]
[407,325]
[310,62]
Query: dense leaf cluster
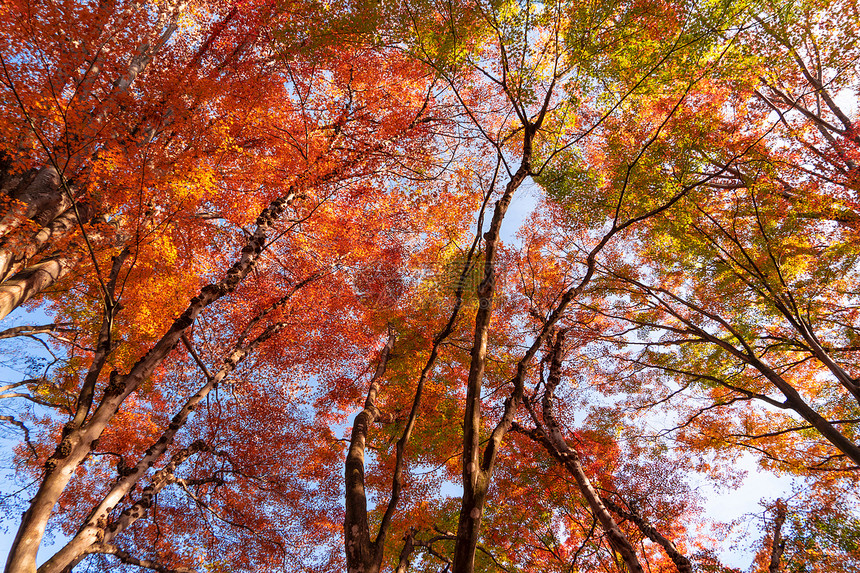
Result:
[273,313]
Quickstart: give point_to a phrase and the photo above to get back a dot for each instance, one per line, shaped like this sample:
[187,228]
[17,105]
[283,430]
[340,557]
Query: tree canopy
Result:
[271,314]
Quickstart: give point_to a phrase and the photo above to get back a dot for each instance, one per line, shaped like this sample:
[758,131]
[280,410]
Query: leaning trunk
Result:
[77,442]
[23,286]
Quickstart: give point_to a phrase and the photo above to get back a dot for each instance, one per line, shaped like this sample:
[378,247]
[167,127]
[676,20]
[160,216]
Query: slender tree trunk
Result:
[778,545]
[362,555]
[78,443]
[681,562]
[476,477]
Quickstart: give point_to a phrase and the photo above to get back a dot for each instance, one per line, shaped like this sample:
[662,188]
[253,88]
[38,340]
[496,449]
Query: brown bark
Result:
[402,442]
[36,329]
[46,203]
[404,561]
[476,480]
[477,468]
[104,346]
[778,545]
[39,198]
[552,438]
[77,443]
[681,562]
[362,554]
[131,514]
[96,529]
[34,280]
[13,257]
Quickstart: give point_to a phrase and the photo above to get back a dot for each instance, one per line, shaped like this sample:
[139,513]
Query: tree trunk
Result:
[778,545]
[476,477]
[362,555]
[33,280]
[77,443]
[551,437]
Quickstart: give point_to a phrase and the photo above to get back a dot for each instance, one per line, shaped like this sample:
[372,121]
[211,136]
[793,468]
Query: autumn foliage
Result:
[280,306]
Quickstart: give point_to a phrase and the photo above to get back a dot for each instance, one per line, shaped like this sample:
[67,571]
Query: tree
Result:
[329,187]
[300,156]
[751,284]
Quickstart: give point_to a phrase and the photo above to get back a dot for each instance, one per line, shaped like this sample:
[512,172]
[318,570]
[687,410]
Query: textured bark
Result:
[96,528]
[404,561]
[476,480]
[477,468]
[35,279]
[39,197]
[570,460]
[402,442]
[681,562]
[137,510]
[104,346]
[548,434]
[77,444]
[362,554]
[778,545]
[13,257]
